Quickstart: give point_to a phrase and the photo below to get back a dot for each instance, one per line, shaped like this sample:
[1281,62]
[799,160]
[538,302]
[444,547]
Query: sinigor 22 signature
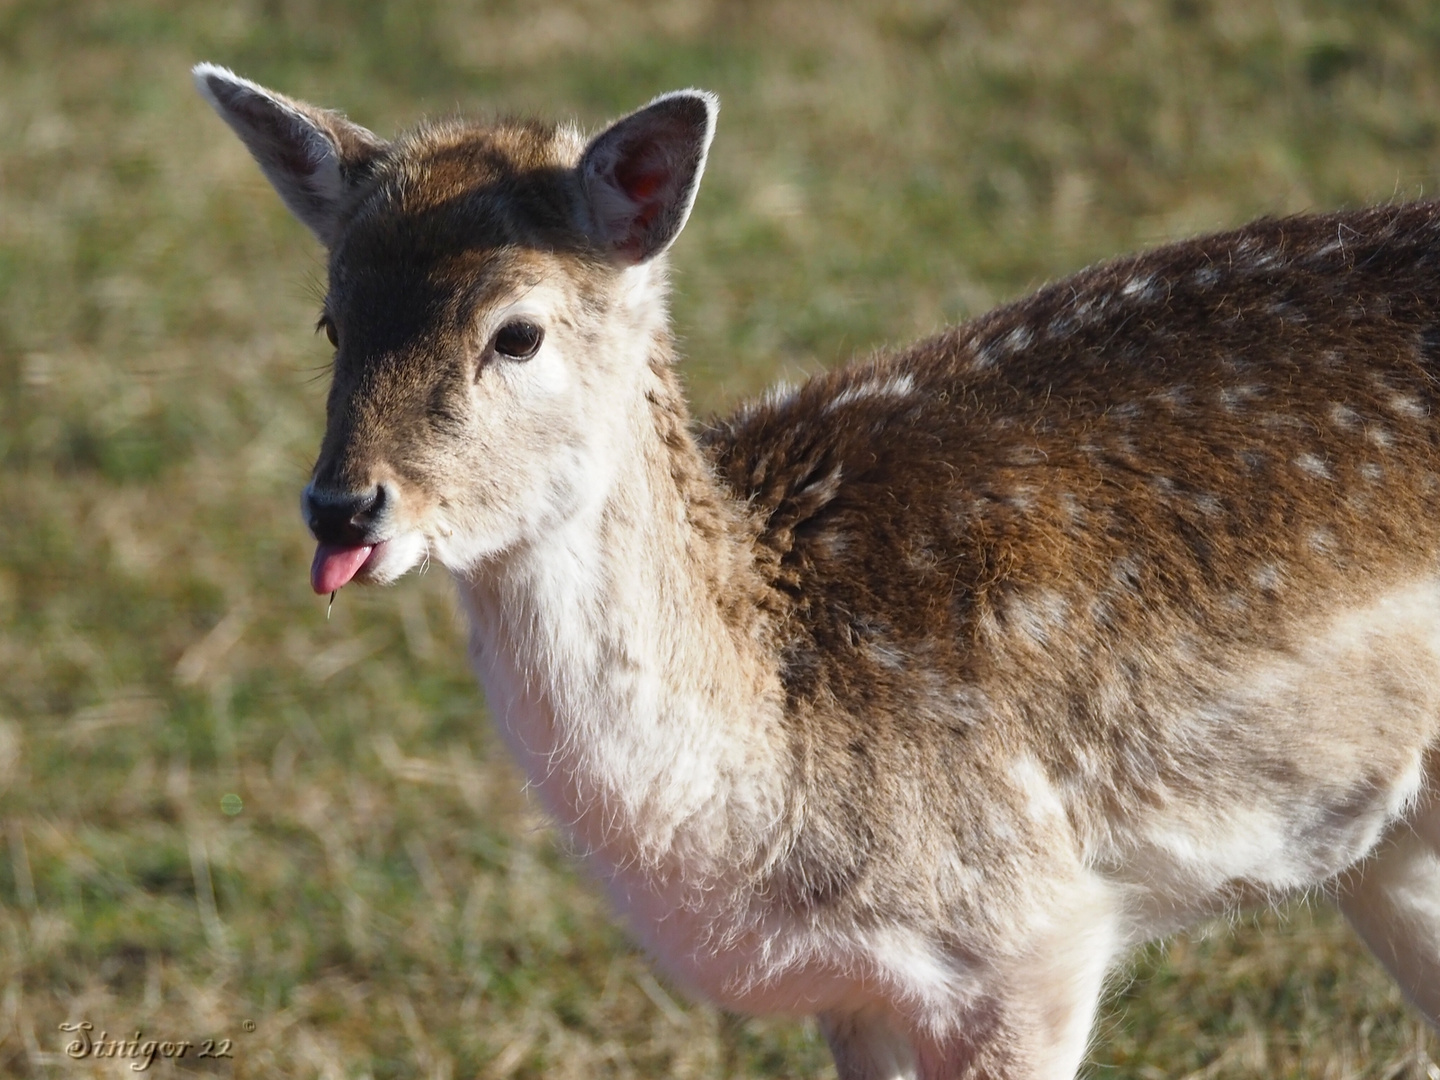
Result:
[140,1051]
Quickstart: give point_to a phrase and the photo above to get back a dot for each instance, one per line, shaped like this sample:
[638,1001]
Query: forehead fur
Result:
[459,186]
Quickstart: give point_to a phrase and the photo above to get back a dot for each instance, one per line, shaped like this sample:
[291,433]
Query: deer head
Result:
[496,300]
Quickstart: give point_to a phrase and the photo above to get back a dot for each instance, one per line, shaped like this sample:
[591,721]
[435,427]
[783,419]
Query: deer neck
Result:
[624,655]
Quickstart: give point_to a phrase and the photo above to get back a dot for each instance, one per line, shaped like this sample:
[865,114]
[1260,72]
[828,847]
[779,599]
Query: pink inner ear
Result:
[640,180]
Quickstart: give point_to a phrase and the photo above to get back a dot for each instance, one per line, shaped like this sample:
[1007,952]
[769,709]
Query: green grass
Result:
[385,902]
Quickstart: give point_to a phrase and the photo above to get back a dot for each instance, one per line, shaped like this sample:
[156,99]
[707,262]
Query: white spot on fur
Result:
[780,395]
[1380,436]
[1314,465]
[776,397]
[1026,455]
[1037,615]
[822,488]
[1139,288]
[1283,421]
[1091,310]
[1100,613]
[894,386]
[1174,398]
[833,544]
[1061,326]
[1344,417]
[1409,408]
[1126,573]
[984,357]
[1267,577]
[887,656]
[1124,412]
[1205,277]
[1016,339]
[1232,398]
[1372,472]
[1021,497]
[1042,803]
[1074,512]
[1207,504]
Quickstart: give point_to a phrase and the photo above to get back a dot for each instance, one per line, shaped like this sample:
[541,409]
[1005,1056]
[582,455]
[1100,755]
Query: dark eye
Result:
[519,340]
[328,325]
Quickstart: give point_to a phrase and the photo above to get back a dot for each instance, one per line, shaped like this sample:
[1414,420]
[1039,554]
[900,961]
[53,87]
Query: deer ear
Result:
[310,155]
[640,174]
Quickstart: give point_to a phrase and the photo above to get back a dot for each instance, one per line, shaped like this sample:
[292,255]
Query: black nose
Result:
[345,518]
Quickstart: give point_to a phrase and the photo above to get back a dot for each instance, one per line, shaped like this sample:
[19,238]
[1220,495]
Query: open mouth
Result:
[336,565]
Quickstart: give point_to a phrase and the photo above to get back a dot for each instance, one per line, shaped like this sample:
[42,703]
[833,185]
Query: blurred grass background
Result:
[222,810]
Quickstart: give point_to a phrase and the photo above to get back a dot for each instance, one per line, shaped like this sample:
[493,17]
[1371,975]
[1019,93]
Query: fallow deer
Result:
[915,696]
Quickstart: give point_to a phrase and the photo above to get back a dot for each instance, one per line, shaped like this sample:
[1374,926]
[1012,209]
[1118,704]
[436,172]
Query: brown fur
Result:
[1124,478]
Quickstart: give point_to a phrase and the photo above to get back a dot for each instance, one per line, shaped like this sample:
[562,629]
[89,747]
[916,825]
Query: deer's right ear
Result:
[310,155]
[640,174]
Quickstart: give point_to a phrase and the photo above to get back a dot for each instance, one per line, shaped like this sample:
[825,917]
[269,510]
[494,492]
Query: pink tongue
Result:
[334,565]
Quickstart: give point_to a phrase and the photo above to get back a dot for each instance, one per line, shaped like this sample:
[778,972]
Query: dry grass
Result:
[384,903]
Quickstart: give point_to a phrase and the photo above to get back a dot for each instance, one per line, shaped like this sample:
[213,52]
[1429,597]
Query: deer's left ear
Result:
[640,174]
[311,156]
